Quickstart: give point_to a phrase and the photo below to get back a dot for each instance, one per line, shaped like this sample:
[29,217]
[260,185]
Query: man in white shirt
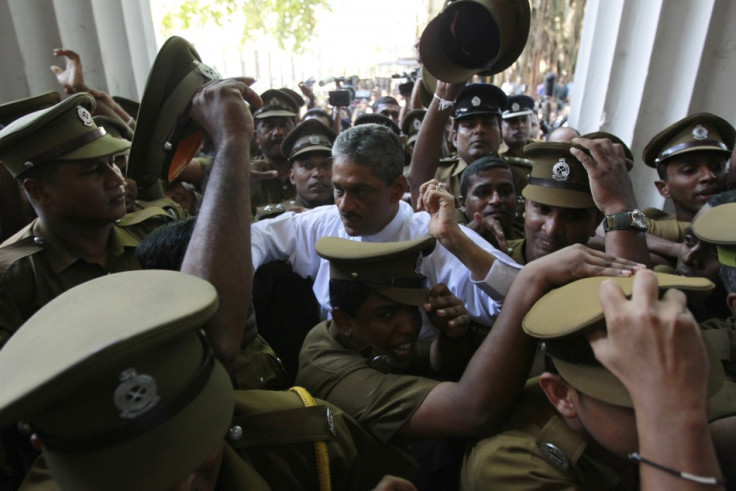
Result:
[368,186]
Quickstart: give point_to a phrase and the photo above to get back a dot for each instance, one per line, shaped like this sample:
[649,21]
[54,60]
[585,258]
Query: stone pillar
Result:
[79,33]
[113,43]
[141,40]
[644,65]
[36,34]
[114,38]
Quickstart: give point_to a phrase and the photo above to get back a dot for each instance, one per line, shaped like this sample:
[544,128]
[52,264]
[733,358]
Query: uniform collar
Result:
[61,254]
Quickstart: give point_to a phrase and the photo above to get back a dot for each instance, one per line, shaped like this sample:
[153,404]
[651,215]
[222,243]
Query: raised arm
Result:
[654,347]
[219,250]
[479,402]
[612,192]
[72,79]
[428,146]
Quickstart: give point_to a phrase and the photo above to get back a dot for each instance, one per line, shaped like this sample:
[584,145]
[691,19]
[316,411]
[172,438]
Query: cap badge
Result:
[475,101]
[208,71]
[561,170]
[274,102]
[417,124]
[136,394]
[555,456]
[313,139]
[84,115]
[515,107]
[699,132]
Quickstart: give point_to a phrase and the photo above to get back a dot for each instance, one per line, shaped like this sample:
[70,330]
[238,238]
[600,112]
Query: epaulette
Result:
[656,214]
[449,160]
[518,161]
[274,210]
[144,214]
[169,205]
[11,253]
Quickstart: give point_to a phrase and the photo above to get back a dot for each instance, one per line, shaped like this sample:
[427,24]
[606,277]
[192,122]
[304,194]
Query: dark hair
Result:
[164,248]
[374,146]
[481,165]
[384,100]
[728,277]
[722,198]
[549,365]
[318,112]
[348,296]
[44,172]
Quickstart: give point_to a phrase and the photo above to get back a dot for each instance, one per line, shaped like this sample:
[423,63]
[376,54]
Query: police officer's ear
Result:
[291,175]
[560,394]
[36,189]
[343,321]
[731,302]
[663,188]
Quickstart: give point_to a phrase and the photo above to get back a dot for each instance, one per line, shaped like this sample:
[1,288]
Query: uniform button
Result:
[39,240]
[235,433]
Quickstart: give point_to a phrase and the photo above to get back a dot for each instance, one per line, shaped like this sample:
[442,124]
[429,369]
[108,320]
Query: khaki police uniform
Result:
[361,384]
[141,403]
[36,265]
[269,191]
[308,136]
[536,448]
[664,225]
[274,210]
[276,103]
[364,381]
[517,106]
[449,171]
[516,249]
[270,445]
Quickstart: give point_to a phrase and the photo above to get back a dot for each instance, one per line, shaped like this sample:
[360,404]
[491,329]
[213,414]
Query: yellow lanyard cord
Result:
[320,448]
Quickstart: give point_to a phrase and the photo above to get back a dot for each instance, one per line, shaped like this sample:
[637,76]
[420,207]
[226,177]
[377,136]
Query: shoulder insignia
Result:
[517,161]
[11,253]
[555,456]
[656,214]
[140,216]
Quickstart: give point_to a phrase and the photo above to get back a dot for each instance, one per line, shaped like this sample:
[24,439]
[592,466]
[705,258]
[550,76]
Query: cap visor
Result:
[102,147]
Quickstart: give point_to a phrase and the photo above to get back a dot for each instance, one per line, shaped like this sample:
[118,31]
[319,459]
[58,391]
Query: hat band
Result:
[551,183]
[138,426]
[396,281]
[683,146]
[272,108]
[67,147]
[321,143]
[577,354]
[477,110]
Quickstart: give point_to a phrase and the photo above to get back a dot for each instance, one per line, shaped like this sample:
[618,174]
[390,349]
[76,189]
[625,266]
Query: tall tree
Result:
[289,22]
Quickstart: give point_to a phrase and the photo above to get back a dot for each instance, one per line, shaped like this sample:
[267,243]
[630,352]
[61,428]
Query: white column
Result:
[141,40]
[13,78]
[113,43]
[37,34]
[78,32]
[643,65]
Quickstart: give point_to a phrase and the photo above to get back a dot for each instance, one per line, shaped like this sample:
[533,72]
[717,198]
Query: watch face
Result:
[639,220]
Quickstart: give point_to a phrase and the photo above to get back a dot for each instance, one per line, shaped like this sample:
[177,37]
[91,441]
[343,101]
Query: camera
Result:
[339,97]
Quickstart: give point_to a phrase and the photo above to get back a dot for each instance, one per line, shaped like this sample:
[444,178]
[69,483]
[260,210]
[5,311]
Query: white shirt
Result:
[292,236]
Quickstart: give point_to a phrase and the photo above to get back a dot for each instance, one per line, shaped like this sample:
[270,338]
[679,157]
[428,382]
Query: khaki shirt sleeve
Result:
[511,462]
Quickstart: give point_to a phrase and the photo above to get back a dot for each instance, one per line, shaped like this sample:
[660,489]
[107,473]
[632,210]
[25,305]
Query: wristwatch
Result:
[625,220]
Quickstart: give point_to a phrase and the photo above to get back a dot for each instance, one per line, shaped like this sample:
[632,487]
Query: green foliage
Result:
[289,22]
